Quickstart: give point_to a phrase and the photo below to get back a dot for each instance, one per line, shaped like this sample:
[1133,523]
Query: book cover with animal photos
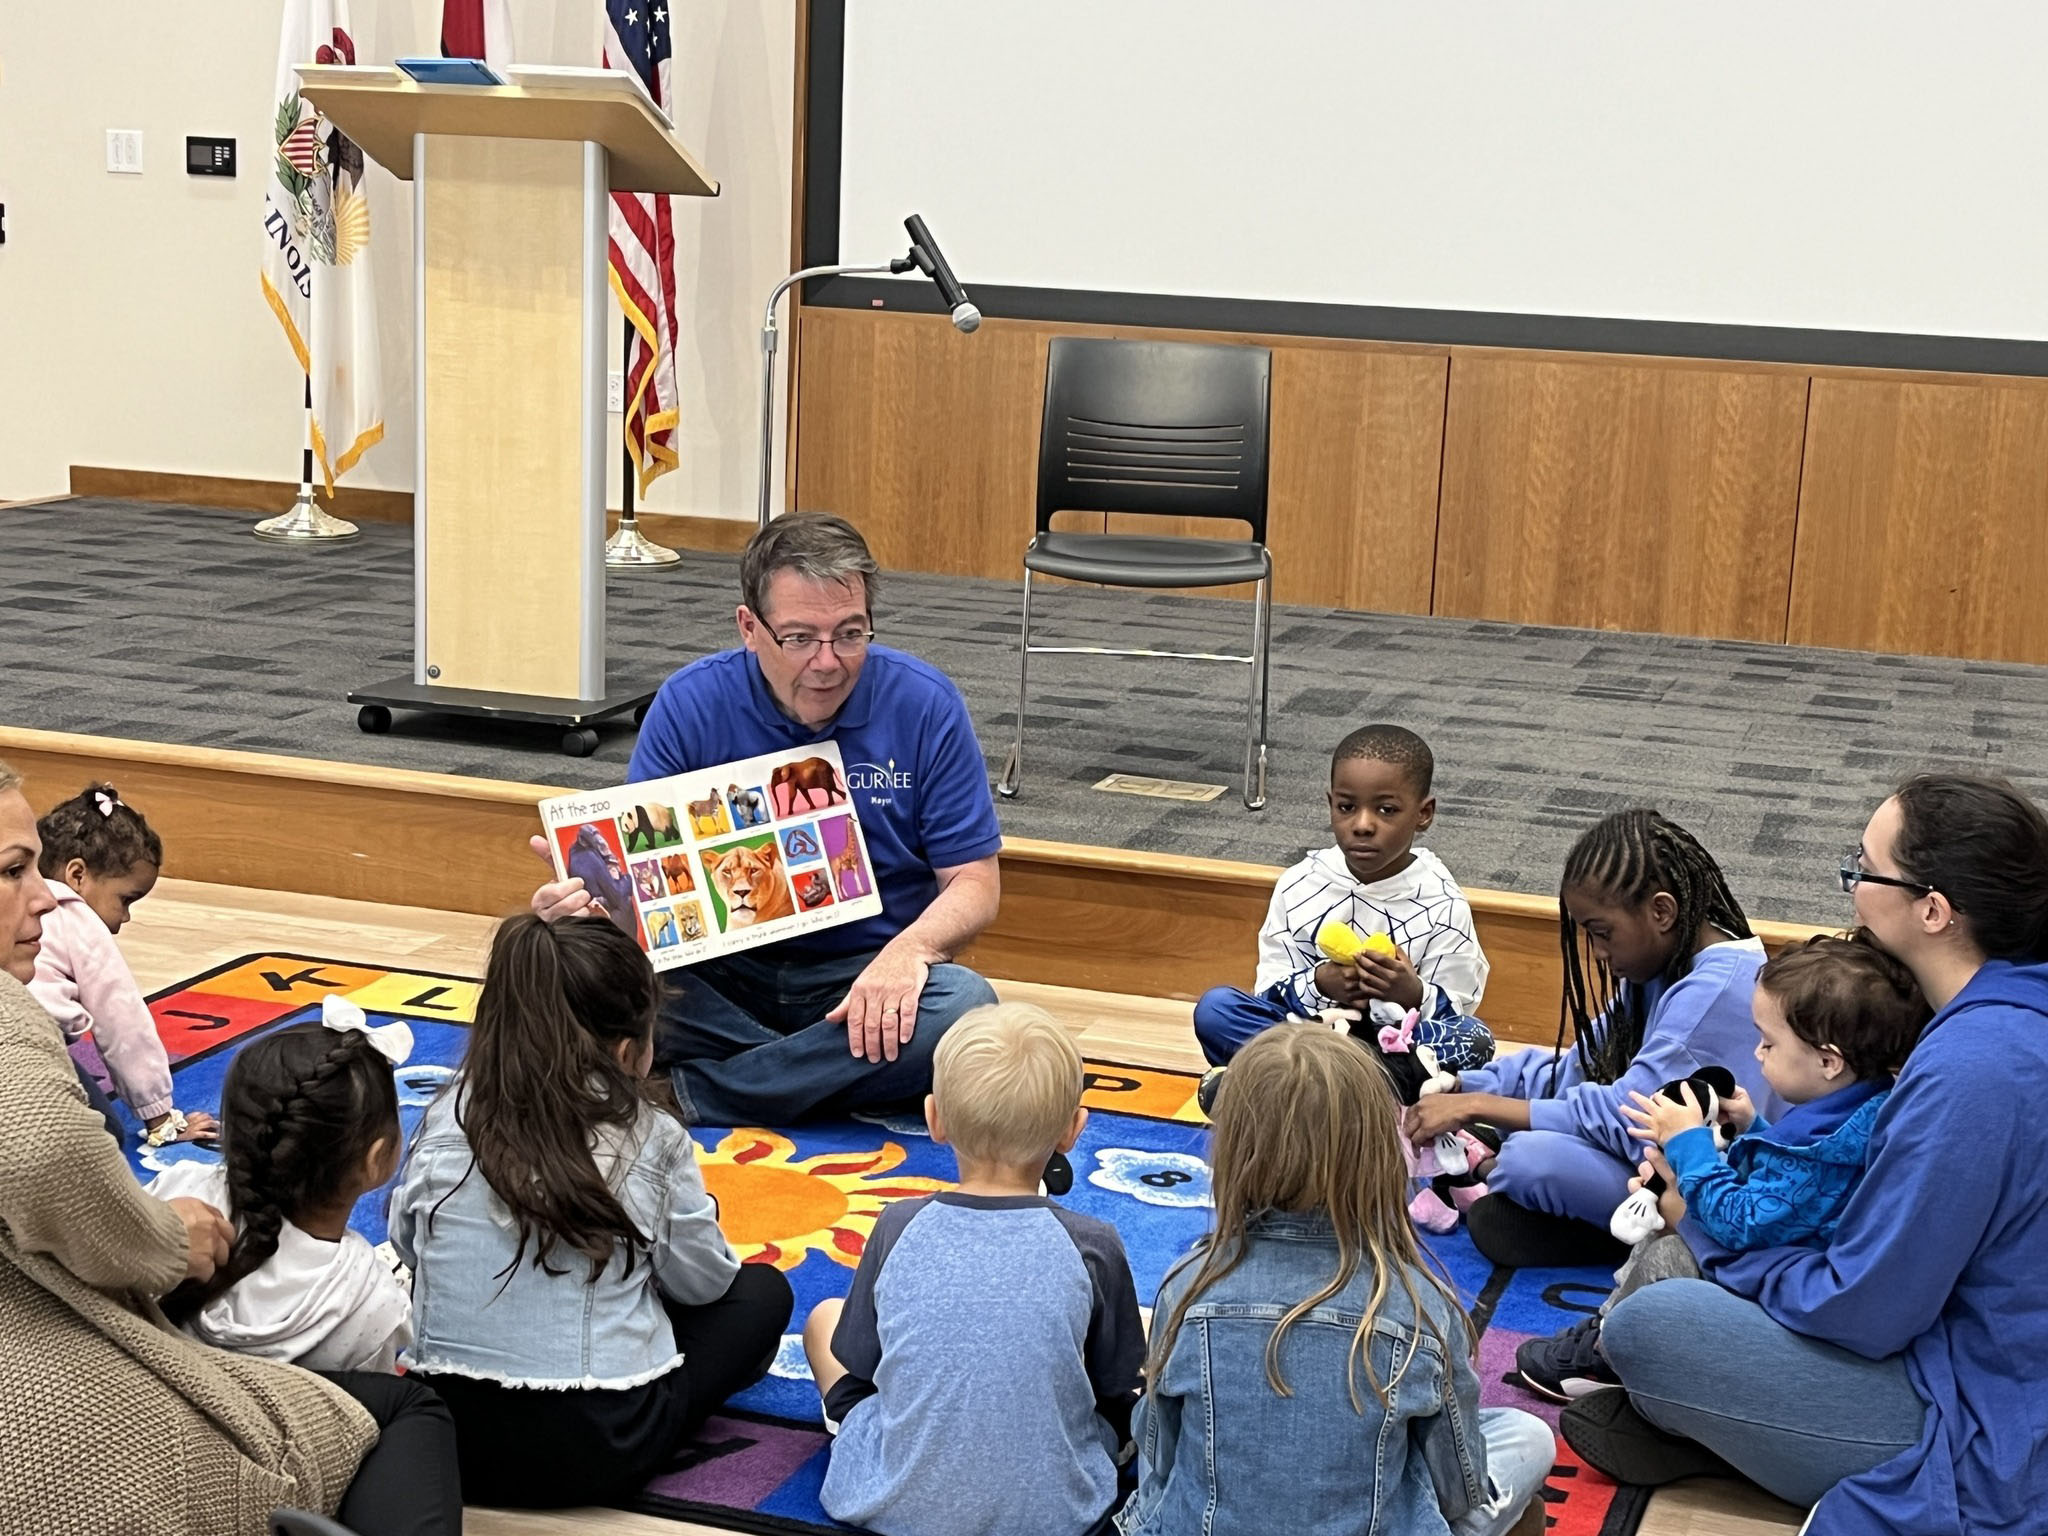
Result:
[720,860]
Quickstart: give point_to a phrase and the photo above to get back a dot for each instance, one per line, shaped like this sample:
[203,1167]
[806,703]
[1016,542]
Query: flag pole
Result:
[306,523]
[629,549]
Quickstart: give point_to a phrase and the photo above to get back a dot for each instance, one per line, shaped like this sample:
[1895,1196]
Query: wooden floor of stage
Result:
[186,927]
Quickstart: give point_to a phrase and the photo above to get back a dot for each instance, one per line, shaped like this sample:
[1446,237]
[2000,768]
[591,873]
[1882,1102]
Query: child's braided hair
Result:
[98,826]
[299,1113]
[1628,857]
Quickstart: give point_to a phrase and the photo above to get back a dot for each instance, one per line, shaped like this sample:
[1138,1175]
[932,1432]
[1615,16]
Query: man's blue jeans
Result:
[749,1044]
[1790,1413]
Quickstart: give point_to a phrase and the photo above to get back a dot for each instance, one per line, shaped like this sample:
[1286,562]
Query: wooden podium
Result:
[511,207]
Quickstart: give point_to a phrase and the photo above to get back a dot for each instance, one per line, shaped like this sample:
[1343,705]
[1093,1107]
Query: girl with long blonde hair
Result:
[1309,1356]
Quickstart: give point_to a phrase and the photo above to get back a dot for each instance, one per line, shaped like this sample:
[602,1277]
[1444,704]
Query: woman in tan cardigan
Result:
[112,1420]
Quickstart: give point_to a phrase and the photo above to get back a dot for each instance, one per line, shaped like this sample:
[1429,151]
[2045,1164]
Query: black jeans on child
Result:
[548,1447]
[407,1485]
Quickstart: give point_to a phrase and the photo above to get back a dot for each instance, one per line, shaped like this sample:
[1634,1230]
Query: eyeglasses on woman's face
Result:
[1854,874]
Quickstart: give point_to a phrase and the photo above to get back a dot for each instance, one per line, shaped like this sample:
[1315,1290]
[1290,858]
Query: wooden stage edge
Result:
[1109,919]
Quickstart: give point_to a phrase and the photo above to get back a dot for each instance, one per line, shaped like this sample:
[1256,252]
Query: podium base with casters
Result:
[578,718]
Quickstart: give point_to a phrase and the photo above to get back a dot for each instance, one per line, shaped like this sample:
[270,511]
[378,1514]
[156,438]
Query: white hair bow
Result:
[106,801]
[392,1041]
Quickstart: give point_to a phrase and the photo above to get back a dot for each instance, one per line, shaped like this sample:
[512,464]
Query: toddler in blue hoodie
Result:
[1835,1018]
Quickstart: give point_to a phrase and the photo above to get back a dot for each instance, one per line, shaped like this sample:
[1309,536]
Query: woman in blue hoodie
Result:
[1892,1379]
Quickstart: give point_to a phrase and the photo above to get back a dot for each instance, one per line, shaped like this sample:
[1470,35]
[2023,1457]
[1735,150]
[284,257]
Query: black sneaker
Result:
[1205,1090]
[1566,1366]
[1058,1177]
[1611,1436]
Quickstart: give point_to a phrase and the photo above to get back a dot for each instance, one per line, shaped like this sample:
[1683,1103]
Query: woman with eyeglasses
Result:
[1895,1378]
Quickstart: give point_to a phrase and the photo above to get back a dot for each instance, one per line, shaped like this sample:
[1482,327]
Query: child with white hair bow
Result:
[309,1125]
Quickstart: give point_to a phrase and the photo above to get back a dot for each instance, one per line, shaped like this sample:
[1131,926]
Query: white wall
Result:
[132,330]
[1852,164]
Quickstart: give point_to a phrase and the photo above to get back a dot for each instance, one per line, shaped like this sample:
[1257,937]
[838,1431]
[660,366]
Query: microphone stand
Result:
[769,338]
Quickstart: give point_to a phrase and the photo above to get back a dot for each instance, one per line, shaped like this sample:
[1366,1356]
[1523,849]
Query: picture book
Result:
[721,860]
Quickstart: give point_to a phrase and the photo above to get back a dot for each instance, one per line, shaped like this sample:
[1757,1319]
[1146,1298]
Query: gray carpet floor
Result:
[173,624]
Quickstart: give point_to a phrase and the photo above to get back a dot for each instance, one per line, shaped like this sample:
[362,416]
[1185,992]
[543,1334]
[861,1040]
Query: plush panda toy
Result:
[1637,1217]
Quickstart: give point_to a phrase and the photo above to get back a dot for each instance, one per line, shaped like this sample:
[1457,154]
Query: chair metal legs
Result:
[1255,703]
[1013,770]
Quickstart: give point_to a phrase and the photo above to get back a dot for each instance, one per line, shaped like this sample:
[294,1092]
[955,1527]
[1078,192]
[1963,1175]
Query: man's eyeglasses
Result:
[846,644]
[1854,874]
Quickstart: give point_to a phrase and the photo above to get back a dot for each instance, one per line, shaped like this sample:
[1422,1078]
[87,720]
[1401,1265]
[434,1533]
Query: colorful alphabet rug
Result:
[805,1199]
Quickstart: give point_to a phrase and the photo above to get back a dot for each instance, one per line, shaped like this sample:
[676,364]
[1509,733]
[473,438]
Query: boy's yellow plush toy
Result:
[1341,942]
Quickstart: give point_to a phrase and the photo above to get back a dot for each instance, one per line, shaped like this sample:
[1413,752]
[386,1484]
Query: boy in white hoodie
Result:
[1376,881]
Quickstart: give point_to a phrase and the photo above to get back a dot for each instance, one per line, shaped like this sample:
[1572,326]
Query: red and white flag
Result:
[316,246]
[476,29]
[643,253]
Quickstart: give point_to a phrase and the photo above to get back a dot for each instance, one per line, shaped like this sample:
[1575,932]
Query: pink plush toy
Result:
[1444,1167]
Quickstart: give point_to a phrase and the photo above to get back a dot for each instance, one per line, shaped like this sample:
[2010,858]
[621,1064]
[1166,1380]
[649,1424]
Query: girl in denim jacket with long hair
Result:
[1309,1365]
[573,1299]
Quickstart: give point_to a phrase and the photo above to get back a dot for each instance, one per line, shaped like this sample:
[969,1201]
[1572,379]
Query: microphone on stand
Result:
[924,250]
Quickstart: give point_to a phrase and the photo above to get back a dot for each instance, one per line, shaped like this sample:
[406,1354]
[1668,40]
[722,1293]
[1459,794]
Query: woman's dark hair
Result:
[1984,846]
[299,1113]
[1845,994]
[1628,858]
[96,825]
[541,1078]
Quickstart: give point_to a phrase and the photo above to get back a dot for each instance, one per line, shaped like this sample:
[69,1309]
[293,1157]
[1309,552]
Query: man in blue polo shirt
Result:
[847,1017]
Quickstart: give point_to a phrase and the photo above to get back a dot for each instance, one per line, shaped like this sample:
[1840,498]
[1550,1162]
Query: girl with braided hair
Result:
[310,1125]
[1659,969]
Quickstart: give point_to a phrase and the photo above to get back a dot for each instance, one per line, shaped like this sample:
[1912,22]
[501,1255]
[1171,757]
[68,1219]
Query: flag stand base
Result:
[630,549]
[305,523]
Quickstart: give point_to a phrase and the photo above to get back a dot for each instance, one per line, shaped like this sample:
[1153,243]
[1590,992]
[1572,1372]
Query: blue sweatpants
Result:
[1226,1019]
[747,1040]
[1560,1174]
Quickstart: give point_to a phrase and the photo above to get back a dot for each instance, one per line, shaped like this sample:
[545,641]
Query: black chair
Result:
[1160,429]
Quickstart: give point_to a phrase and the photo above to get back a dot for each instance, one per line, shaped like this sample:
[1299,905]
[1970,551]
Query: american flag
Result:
[643,252]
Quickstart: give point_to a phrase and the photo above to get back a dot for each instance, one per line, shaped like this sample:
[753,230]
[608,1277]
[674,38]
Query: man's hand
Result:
[1657,1119]
[880,1012]
[1389,979]
[558,898]
[1343,985]
[1670,1204]
[1430,1117]
[207,1237]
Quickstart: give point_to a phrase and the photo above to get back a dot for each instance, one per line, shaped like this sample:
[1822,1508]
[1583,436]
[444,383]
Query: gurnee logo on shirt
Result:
[874,776]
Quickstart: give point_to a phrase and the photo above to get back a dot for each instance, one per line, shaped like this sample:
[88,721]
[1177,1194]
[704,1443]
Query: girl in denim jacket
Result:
[574,1301]
[1309,1368]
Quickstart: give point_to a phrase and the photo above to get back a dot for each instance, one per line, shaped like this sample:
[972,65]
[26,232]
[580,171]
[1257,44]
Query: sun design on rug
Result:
[778,1209]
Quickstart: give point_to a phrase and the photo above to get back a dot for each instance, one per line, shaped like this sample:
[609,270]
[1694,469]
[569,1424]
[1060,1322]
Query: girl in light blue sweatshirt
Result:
[1659,966]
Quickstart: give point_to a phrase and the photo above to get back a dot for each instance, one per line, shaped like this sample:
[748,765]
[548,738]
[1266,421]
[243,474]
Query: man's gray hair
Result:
[817,546]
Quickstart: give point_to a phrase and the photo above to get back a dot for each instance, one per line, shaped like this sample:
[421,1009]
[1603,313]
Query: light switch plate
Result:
[124,151]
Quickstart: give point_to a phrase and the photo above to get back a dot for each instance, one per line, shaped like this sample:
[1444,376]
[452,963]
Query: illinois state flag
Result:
[316,246]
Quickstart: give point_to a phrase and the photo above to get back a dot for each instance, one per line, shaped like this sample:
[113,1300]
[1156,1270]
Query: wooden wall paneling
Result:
[925,439]
[1356,443]
[1358,440]
[1923,523]
[1618,495]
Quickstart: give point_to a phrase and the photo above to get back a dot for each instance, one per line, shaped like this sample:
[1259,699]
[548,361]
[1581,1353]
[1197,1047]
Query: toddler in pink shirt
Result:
[100,858]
